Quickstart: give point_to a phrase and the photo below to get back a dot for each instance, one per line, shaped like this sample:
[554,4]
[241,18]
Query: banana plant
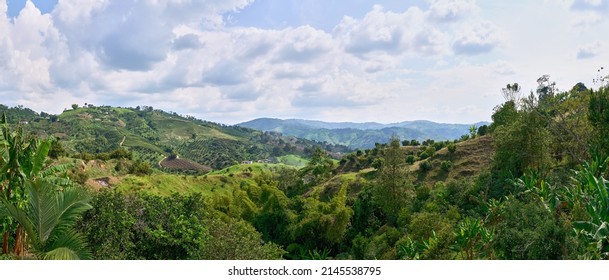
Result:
[592,190]
[23,160]
[547,194]
[410,250]
[470,236]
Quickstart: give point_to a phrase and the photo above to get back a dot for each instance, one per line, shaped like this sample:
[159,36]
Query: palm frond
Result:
[42,208]
[71,204]
[61,253]
[69,245]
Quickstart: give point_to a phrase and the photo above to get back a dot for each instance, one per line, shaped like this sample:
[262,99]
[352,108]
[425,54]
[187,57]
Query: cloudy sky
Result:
[351,60]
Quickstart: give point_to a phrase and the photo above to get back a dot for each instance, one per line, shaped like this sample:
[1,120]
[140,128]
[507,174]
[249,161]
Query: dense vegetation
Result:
[529,186]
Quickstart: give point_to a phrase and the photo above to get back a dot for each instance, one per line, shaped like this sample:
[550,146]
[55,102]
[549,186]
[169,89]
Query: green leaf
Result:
[40,157]
[602,232]
[61,253]
[585,226]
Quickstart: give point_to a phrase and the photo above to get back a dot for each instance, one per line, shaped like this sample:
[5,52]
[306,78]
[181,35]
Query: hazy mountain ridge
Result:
[360,135]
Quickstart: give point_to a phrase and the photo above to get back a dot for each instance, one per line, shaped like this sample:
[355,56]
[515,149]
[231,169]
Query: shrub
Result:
[425,166]
[452,148]
[446,165]
[410,159]
[140,168]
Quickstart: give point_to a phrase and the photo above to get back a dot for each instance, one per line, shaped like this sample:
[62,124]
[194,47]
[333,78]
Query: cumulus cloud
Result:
[390,33]
[188,41]
[178,55]
[451,10]
[303,44]
[589,12]
[226,73]
[476,39]
[589,51]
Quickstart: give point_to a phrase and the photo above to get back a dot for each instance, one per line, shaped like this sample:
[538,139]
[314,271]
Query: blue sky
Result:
[15,6]
[234,60]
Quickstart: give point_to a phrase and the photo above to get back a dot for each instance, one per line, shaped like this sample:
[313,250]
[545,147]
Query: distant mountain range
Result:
[361,135]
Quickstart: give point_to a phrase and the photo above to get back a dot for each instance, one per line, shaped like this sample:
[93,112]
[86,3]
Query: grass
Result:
[166,184]
[293,160]
[136,142]
[183,129]
[253,169]
[470,157]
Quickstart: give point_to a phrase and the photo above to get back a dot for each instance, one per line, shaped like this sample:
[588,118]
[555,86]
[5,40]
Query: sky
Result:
[231,61]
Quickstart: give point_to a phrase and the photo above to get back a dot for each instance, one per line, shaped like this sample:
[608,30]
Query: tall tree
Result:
[393,187]
[598,114]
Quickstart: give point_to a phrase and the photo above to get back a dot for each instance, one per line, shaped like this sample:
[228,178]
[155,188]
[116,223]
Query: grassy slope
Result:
[470,158]
[219,182]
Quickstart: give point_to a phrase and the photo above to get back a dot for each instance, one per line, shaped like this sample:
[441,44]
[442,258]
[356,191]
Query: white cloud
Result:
[589,51]
[381,32]
[177,55]
[478,38]
[589,12]
[601,6]
[451,10]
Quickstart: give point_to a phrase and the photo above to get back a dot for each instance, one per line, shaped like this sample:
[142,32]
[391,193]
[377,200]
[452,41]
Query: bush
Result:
[140,168]
[452,148]
[446,165]
[423,155]
[79,176]
[528,231]
[410,159]
[425,166]
[121,153]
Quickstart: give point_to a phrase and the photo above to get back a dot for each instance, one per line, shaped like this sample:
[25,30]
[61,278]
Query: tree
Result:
[473,131]
[521,145]
[320,166]
[232,239]
[545,87]
[74,106]
[56,150]
[527,231]
[393,186]
[482,130]
[144,226]
[511,92]
[323,224]
[504,114]
[598,115]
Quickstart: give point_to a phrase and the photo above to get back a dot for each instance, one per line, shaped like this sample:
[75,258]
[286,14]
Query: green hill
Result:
[154,134]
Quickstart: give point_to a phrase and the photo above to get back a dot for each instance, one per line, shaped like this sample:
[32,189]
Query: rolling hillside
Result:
[154,134]
[361,135]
